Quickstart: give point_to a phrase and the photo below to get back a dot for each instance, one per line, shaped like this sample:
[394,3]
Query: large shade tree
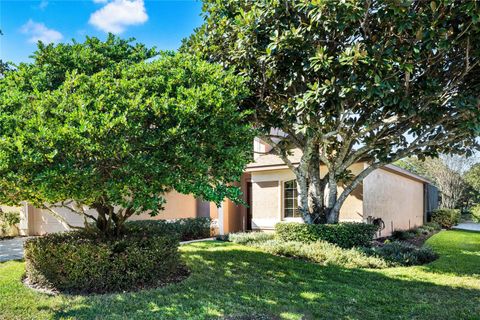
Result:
[94,126]
[349,81]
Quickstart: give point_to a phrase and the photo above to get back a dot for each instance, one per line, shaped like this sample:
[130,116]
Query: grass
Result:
[230,279]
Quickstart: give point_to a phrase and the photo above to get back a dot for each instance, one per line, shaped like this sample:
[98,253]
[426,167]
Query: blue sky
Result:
[156,23]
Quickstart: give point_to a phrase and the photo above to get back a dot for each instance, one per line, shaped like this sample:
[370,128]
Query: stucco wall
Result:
[267,198]
[396,199]
[177,206]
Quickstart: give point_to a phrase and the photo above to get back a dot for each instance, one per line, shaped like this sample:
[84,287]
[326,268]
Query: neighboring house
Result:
[400,198]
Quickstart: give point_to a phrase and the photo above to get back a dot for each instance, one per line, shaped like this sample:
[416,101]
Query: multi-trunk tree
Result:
[94,126]
[350,81]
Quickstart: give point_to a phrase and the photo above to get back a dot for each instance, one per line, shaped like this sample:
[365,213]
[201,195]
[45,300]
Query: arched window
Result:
[290,194]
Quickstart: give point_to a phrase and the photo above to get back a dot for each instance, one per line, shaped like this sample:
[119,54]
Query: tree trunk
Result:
[331,215]
[311,187]
[109,222]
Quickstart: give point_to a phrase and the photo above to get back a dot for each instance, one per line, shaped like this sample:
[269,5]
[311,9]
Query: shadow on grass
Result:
[233,280]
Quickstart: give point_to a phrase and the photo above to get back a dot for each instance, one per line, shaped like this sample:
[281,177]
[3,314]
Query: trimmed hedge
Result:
[185,229]
[76,262]
[345,235]
[447,218]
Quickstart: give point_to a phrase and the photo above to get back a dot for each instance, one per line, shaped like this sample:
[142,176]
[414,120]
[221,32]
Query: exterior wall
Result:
[234,216]
[394,198]
[177,206]
[352,209]
[42,222]
[267,198]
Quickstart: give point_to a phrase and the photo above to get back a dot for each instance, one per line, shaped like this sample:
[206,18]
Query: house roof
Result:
[406,173]
[271,161]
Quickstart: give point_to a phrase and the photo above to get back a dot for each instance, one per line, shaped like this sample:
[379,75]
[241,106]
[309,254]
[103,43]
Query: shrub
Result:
[404,234]
[447,218]
[8,220]
[424,230]
[432,226]
[321,252]
[475,213]
[186,229]
[76,262]
[402,253]
[345,235]
[247,238]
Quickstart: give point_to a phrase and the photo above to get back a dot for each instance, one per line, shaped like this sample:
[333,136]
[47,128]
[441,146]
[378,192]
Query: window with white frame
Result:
[290,194]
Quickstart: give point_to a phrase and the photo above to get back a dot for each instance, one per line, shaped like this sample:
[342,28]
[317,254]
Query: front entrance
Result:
[249,206]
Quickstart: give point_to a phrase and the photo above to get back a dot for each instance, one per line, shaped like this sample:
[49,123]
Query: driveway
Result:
[469,226]
[12,249]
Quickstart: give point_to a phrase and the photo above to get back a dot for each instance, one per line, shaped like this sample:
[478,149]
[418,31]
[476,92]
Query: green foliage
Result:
[432,226]
[472,176]
[423,230]
[249,238]
[230,279]
[345,235]
[7,220]
[96,124]
[396,78]
[53,62]
[185,229]
[403,253]
[475,213]
[447,218]
[320,252]
[403,234]
[74,262]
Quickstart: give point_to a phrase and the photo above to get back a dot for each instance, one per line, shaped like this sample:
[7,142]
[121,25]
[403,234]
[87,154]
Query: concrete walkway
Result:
[12,249]
[469,226]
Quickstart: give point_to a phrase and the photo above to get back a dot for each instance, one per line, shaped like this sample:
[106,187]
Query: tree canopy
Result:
[349,81]
[94,125]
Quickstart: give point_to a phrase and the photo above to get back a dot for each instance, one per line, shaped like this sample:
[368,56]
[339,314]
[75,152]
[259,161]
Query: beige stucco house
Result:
[395,195]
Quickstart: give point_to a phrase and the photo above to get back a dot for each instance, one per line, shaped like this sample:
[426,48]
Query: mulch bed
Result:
[417,241]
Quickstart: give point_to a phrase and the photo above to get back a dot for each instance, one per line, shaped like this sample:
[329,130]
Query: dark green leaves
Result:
[111,126]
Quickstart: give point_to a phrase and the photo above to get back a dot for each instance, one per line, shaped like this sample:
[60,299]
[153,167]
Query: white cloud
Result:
[117,15]
[39,32]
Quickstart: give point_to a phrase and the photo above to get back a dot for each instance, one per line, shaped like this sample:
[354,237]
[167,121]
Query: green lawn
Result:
[229,279]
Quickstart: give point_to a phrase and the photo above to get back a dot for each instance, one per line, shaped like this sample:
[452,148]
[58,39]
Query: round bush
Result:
[447,218]
[76,262]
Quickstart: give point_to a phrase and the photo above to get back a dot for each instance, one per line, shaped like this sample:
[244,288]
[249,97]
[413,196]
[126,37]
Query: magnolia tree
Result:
[94,126]
[350,81]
